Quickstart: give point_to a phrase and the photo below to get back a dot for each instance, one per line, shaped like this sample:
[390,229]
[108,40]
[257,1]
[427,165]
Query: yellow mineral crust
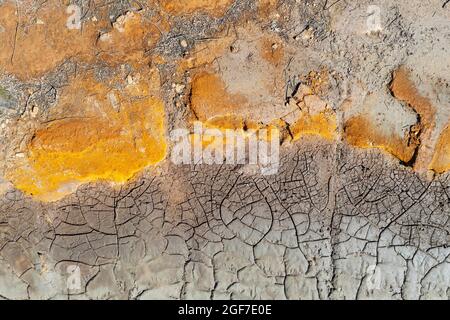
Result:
[323,124]
[414,147]
[116,134]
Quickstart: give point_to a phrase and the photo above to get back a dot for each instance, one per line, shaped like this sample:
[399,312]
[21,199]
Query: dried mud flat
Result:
[92,207]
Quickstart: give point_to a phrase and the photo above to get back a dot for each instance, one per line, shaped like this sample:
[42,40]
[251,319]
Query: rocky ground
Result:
[92,205]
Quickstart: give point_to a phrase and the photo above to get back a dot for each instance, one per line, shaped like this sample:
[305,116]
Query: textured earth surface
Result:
[92,205]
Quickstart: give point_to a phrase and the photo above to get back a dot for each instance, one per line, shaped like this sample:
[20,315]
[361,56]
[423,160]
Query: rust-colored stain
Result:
[323,124]
[272,51]
[441,158]
[36,42]
[266,7]
[116,135]
[222,131]
[229,122]
[405,90]
[360,132]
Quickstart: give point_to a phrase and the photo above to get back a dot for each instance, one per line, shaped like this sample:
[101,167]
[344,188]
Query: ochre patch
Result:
[238,74]
[441,159]
[360,132]
[179,7]
[36,42]
[404,89]
[266,7]
[33,44]
[115,134]
[272,51]
[323,124]
[209,97]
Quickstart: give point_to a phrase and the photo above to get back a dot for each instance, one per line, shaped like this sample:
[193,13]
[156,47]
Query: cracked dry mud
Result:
[360,205]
